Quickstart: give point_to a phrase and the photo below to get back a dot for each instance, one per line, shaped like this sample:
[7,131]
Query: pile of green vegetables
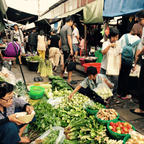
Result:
[35,58]
[20,89]
[80,127]
[46,116]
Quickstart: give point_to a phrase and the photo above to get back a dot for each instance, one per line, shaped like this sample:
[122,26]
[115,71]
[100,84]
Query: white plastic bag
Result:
[55,101]
[59,139]
[8,76]
[135,73]
[103,91]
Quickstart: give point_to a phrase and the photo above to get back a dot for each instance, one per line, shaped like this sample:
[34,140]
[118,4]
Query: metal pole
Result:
[17,58]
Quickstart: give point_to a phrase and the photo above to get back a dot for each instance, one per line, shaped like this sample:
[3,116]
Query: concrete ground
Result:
[122,106]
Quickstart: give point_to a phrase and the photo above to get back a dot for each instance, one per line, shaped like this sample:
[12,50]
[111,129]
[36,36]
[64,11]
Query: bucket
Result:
[96,65]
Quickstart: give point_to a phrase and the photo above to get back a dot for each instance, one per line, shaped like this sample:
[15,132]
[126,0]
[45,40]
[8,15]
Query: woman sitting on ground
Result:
[11,129]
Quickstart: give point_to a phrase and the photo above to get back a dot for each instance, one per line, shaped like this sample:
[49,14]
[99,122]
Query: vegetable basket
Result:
[117,135]
[36,92]
[126,138]
[106,121]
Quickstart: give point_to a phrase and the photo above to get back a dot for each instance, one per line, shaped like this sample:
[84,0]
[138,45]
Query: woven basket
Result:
[105,122]
[117,135]
[24,117]
[90,111]
[126,139]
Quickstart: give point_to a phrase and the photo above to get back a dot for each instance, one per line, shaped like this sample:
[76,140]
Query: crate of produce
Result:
[96,65]
[105,116]
[36,92]
[119,129]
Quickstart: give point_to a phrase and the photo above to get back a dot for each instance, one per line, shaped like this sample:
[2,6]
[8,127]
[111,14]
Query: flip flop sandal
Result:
[40,79]
[137,113]
[126,98]
[73,82]
[36,79]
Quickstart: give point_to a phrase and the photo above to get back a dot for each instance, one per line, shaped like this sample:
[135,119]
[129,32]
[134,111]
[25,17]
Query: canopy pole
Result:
[18,58]
[85,38]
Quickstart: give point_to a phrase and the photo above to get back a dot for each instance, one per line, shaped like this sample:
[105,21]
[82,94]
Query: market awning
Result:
[43,25]
[114,8]
[71,12]
[20,17]
[3,7]
[93,12]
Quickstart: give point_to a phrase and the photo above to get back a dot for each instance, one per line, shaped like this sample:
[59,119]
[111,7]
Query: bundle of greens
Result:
[51,138]
[60,84]
[46,116]
[20,89]
[35,58]
[45,68]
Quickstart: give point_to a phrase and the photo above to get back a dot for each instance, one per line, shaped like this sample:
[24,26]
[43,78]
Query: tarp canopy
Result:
[114,8]
[93,12]
[43,25]
[20,17]
[71,12]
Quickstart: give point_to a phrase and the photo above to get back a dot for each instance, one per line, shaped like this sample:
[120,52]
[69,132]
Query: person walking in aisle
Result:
[32,41]
[66,46]
[54,52]
[129,44]
[41,45]
[140,55]
[75,39]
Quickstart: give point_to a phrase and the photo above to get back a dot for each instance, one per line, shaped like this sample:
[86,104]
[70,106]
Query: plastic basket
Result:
[96,65]
[99,56]
[82,61]
[126,139]
[105,122]
[117,135]
[90,111]
[36,92]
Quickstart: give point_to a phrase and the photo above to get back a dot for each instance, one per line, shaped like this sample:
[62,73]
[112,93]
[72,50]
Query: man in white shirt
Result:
[75,39]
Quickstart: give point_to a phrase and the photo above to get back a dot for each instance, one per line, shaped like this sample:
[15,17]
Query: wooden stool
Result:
[12,59]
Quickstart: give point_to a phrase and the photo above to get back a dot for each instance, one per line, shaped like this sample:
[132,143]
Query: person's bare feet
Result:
[24,140]
[137,110]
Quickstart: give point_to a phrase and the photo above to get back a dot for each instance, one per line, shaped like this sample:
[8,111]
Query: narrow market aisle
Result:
[29,75]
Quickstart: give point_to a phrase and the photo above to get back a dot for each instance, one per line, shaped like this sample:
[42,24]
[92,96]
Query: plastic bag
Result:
[135,73]
[55,101]
[8,76]
[59,139]
[103,91]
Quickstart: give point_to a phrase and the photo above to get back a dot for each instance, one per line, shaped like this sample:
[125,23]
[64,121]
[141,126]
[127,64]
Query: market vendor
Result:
[11,129]
[87,86]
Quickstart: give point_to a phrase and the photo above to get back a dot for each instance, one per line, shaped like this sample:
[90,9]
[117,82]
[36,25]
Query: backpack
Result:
[10,50]
[127,53]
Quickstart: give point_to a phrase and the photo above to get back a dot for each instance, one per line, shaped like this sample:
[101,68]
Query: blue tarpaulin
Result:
[114,8]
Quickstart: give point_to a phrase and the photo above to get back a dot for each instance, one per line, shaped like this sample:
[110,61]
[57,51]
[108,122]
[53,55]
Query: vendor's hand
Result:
[70,96]
[113,45]
[29,109]
[12,118]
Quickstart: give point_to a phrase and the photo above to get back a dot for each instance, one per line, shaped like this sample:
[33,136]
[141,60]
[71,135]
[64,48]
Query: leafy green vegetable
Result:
[33,58]
[51,138]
